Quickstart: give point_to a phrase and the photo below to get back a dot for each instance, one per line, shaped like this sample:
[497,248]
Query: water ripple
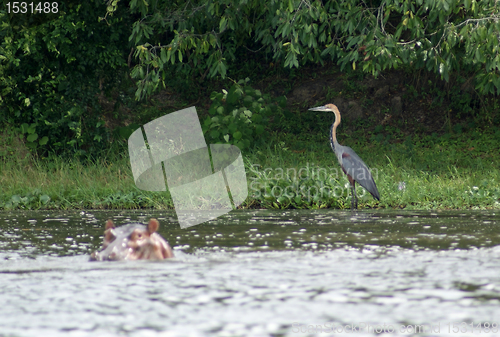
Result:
[256,273]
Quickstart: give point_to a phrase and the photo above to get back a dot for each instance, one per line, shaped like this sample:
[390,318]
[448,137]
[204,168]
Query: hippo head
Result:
[133,242]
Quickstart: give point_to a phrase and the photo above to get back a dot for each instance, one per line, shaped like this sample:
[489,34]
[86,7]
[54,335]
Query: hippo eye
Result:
[136,235]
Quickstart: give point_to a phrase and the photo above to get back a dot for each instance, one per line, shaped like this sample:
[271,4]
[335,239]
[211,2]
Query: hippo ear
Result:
[153,225]
[110,224]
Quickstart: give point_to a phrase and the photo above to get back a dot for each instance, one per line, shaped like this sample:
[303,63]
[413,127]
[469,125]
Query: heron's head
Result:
[327,107]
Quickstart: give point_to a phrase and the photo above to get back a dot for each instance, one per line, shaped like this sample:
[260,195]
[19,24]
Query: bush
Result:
[238,116]
[52,66]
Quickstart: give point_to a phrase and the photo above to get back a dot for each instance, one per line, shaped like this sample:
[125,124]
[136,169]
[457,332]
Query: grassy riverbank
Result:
[439,150]
[453,171]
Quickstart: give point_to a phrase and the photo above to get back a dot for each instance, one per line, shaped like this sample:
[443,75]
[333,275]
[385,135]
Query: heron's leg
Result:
[354,199]
[354,202]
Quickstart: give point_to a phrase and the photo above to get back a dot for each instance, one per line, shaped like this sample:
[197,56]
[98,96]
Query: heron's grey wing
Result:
[354,167]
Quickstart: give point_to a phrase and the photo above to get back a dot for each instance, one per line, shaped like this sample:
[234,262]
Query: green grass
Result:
[68,184]
[425,172]
[459,171]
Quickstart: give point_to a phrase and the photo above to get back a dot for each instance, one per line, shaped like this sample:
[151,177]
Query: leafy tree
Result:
[51,66]
[202,38]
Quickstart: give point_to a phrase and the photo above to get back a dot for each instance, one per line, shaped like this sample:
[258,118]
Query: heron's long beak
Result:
[320,108]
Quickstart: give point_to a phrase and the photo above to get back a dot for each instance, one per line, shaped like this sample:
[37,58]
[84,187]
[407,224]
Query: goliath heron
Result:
[355,169]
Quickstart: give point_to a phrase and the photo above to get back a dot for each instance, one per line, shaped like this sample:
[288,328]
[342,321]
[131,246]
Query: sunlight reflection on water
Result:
[253,273]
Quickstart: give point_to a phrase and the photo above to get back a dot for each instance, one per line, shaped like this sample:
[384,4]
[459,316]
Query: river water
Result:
[256,273]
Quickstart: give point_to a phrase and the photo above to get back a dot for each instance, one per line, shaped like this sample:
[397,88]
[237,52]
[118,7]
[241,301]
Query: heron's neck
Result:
[333,131]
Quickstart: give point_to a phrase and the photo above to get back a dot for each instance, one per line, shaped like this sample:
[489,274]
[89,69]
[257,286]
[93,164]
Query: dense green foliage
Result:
[208,38]
[51,67]
[238,116]
[55,67]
